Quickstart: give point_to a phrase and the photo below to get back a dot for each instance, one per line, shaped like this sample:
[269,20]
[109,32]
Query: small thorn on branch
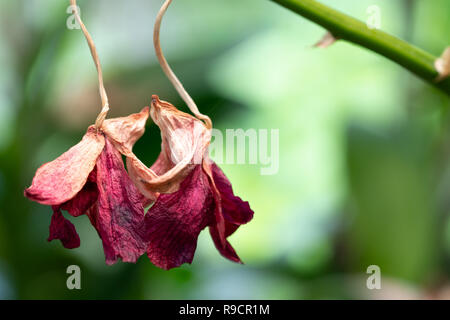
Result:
[327,40]
[442,65]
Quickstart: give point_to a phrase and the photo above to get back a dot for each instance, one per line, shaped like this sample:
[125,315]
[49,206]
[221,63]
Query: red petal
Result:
[222,245]
[174,222]
[64,230]
[230,211]
[60,180]
[120,214]
[123,133]
[84,199]
[234,209]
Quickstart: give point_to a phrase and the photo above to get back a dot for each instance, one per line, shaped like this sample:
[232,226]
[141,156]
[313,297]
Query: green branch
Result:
[342,26]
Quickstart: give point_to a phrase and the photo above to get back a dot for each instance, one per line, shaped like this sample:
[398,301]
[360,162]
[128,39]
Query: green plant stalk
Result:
[344,27]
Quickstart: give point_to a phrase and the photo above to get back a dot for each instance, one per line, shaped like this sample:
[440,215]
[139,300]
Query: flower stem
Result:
[104,97]
[169,72]
[344,27]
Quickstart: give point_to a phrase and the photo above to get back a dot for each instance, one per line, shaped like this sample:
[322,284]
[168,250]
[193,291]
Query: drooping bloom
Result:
[193,193]
[90,178]
[186,190]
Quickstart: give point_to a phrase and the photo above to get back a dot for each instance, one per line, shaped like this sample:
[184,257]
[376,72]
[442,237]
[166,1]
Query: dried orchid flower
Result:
[203,197]
[192,192]
[186,190]
[90,179]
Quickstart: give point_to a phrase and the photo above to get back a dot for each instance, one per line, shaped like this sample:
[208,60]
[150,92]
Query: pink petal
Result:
[119,215]
[60,180]
[174,222]
[64,230]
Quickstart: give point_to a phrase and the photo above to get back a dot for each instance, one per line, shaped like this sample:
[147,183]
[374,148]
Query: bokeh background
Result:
[364,175]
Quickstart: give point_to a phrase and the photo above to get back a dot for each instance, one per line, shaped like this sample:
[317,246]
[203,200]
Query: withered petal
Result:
[161,165]
[148,182]
[84,199]
[60,180]
[185,140]
[119,211]
[174,222]
[224,247]
[234,209]
[125,131]
[63,229]
[230,211]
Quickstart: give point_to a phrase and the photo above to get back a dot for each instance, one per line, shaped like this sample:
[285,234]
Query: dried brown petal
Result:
[185,140]
[125,131]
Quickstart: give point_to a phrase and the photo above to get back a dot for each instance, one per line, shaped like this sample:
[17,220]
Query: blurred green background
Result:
[364,174]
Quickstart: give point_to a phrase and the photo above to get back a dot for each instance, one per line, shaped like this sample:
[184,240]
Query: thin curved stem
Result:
[344,27]
[105,104]
[169,72]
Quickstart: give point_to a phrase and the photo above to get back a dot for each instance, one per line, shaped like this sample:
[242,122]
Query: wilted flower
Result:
[193,191]
[186,190]
[90,178]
